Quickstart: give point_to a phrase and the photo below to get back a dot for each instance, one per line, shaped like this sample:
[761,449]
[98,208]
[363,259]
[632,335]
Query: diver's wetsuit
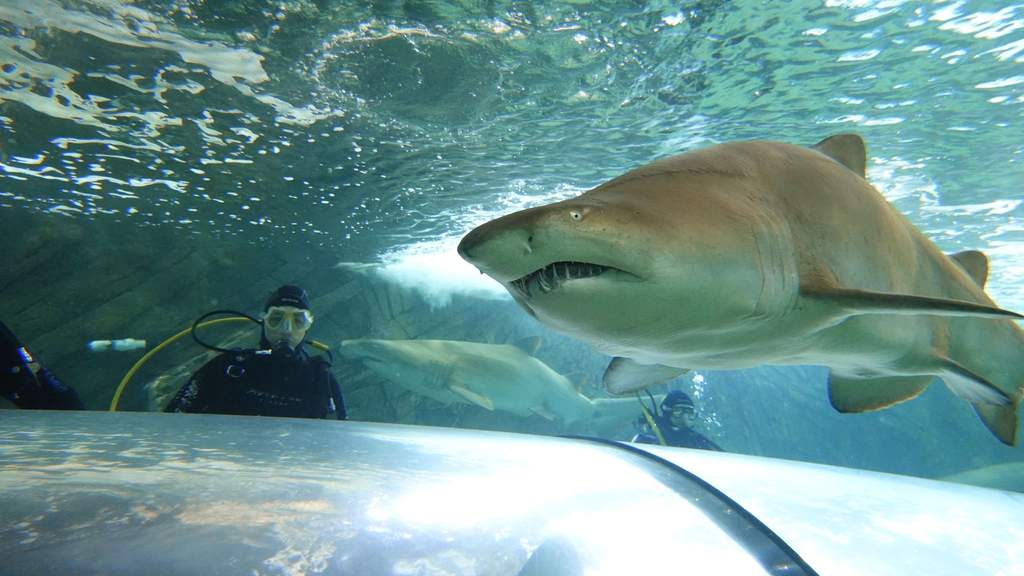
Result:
[28,385]
[263,383]
[683,437]
[41,391]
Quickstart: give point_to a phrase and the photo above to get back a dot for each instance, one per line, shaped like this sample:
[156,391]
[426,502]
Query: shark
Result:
[761,252]
[1003,476]
[501,377]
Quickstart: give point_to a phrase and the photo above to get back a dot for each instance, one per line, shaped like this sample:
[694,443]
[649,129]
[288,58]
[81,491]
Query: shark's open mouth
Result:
[553,275]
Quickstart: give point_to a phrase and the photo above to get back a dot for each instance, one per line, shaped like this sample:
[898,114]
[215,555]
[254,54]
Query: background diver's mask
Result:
[681,415]
[286,325]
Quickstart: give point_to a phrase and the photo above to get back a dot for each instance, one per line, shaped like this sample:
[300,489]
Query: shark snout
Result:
[365,349]
[471,242]
[496,247]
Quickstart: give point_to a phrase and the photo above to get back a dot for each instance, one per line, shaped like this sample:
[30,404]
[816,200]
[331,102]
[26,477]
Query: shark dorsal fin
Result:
[530,345]
[975,263]
[580,384]
[577,379]
[848,150]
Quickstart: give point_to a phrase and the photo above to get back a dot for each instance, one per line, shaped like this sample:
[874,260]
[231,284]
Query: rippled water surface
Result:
[378,126]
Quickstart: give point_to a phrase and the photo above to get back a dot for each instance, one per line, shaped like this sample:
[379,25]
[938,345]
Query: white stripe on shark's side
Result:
[761,252]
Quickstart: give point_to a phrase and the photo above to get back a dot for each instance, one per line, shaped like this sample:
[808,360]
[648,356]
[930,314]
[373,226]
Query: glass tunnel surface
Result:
[182,494]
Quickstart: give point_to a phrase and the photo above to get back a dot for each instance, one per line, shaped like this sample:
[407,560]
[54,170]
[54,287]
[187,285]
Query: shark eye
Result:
[576,214]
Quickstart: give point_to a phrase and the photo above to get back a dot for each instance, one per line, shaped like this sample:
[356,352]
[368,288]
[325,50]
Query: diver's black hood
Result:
[288,295]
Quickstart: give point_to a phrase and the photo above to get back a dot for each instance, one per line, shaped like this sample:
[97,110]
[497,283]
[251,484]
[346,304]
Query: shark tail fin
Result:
[996,408]
[1000,420]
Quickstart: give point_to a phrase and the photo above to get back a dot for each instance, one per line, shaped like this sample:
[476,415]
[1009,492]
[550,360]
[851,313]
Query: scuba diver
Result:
[26,383]
[278,379]
[673,426]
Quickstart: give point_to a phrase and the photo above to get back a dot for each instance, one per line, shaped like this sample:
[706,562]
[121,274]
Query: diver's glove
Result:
[27,384]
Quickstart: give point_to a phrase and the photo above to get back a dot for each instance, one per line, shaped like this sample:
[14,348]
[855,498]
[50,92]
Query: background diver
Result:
[673,425]
[26,383]
[278,379]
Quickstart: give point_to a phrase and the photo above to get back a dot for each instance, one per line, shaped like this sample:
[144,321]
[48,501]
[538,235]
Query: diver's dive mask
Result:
[286,325]
[287,319]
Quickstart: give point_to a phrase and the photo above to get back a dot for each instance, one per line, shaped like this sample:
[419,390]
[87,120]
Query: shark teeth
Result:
[553,275]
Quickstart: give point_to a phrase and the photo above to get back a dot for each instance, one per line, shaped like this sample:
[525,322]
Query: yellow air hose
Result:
[650,420]
[128,376]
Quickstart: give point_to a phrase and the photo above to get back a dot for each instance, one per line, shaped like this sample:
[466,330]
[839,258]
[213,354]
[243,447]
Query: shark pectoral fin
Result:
[478,399]
[543,413]
[971,386]
[975,263]
[625,375]
[848,150]
[855,302]
[1000,420]
[866,394]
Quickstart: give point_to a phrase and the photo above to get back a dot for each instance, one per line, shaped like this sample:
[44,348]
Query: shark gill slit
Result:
[760,260]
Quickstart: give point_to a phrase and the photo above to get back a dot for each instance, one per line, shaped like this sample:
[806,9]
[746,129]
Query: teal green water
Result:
[388,123]
[384,131]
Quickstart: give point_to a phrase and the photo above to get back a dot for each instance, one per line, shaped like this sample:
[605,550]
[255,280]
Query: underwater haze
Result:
[159,159]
